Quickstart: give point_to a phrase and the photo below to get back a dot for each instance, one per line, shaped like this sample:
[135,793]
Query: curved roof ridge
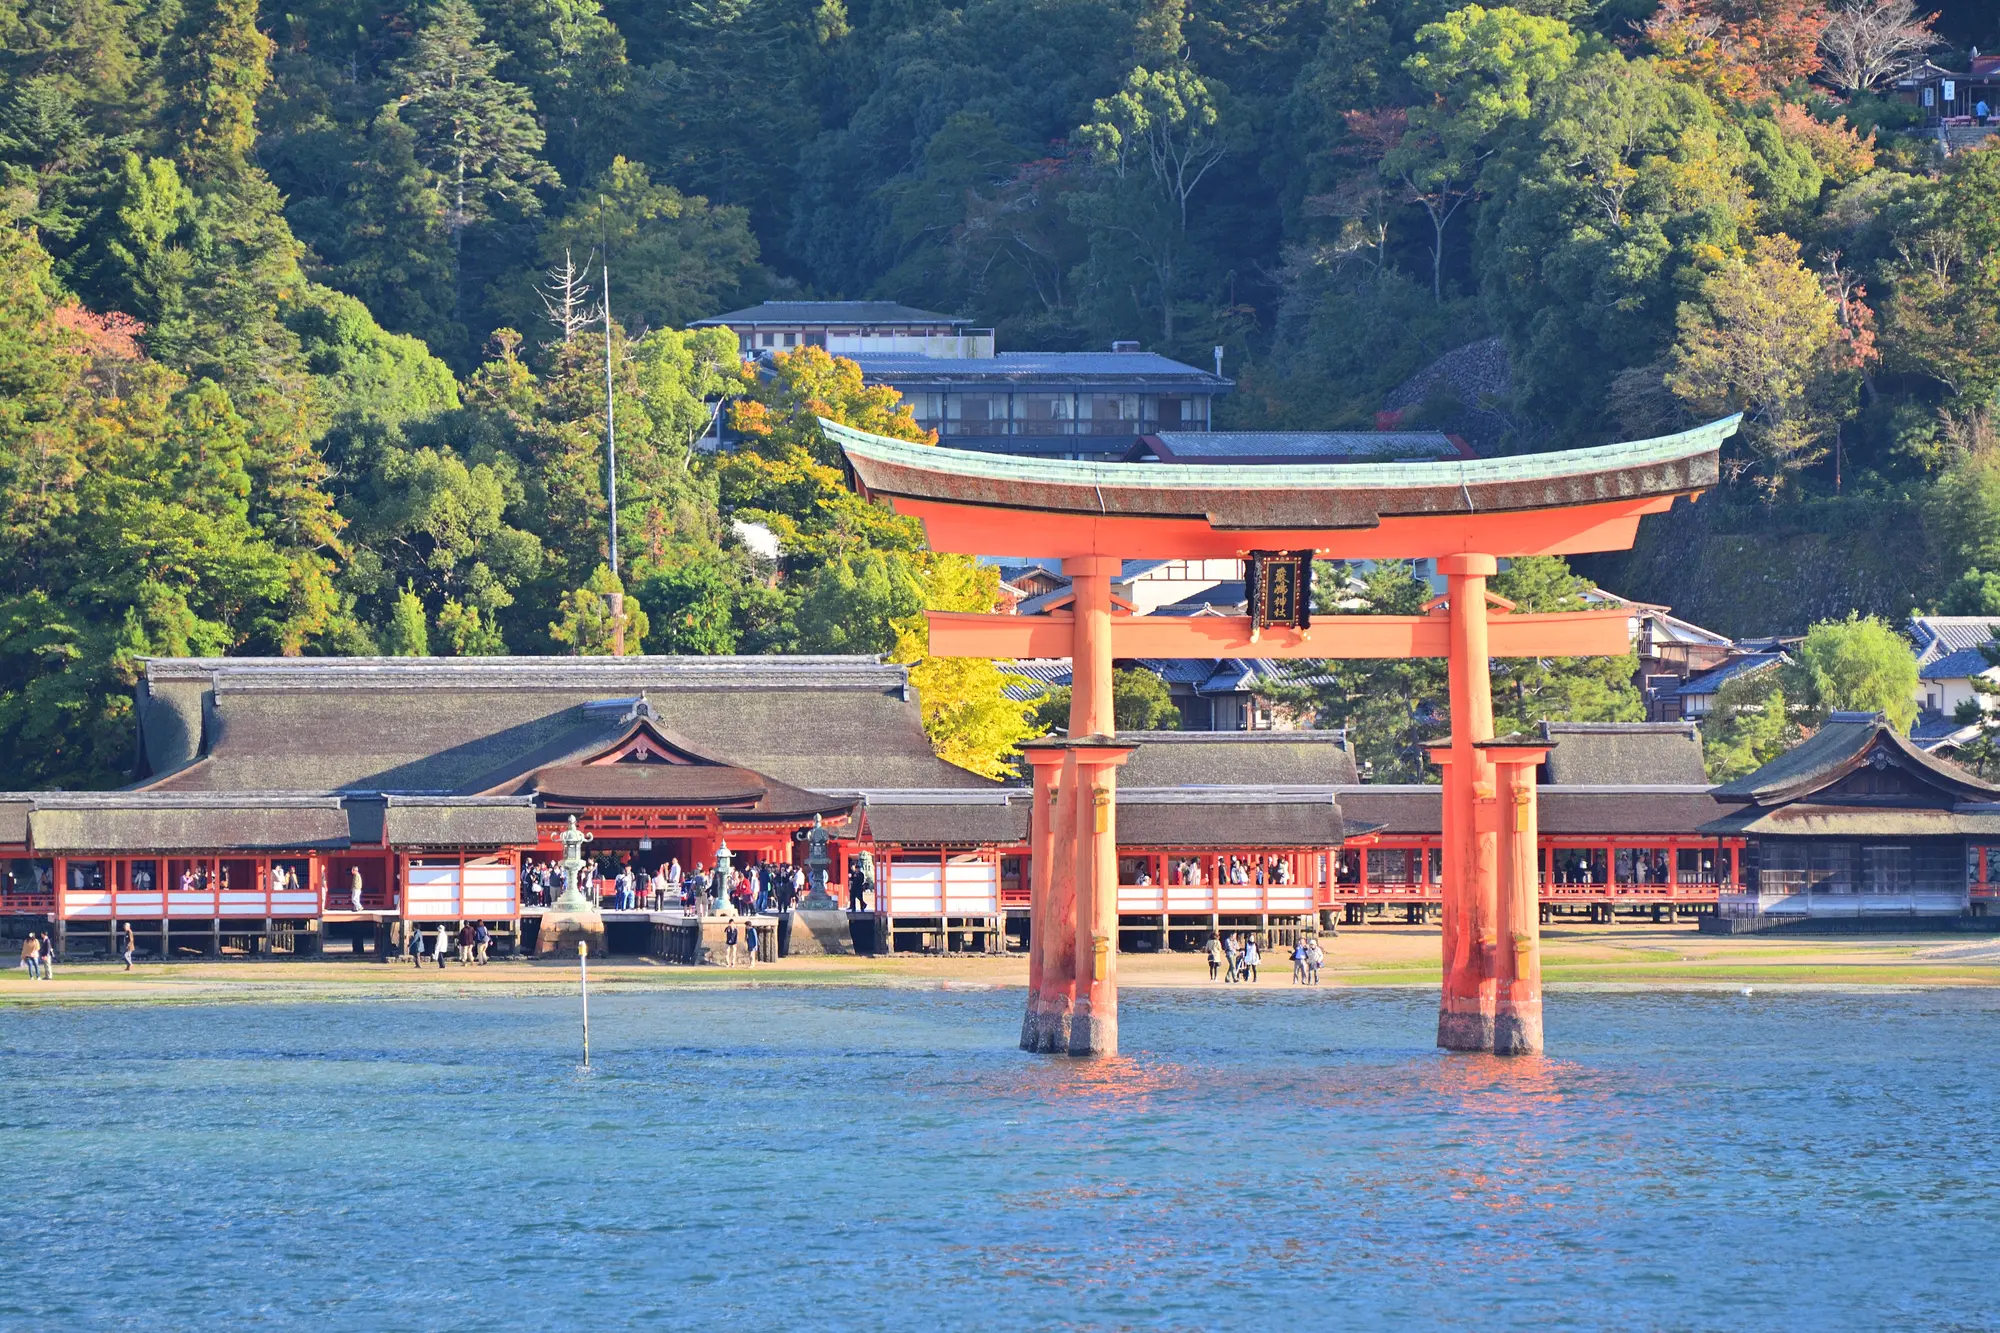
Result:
[1680,447]
[634,674]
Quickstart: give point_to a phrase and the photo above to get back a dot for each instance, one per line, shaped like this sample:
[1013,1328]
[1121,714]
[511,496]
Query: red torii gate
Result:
[1467,513]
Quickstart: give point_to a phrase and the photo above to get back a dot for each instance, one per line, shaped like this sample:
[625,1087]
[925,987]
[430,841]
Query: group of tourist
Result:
[38,956]
[1230,870]
[622,885]
[1235,958]
[746,939]
[469,939]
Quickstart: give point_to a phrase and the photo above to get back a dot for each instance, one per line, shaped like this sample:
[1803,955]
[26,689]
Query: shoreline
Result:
[1629,959]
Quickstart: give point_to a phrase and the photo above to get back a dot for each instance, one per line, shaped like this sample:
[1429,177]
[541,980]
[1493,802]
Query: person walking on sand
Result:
[443,943]
[1299,963]
[1250,959]
[127,945]
[1229,958]
[481,939]
[1214,957]
[48,957]
[1315,960]
[750,945]
[413,944]
[31,956]
[465,942]
[729,938]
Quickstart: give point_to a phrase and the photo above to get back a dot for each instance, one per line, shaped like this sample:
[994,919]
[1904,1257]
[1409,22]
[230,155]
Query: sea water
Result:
[795,1157]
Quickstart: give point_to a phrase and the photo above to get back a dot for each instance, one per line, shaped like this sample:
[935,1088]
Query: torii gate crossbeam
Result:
[1468,513]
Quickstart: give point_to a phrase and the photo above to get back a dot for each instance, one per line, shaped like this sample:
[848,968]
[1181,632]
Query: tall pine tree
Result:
[476,135]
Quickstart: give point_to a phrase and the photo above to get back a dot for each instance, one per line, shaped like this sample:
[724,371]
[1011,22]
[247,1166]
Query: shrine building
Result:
[268,786]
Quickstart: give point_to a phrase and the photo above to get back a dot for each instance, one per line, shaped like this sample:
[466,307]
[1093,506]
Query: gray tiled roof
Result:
[828,312]
[1100,366]
[1960,665]
[484,821]
[134,821]
[1939,636]
[1708,682]
[1245,818]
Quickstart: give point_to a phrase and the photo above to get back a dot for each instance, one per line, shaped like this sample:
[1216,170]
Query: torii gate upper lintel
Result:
[1468,513]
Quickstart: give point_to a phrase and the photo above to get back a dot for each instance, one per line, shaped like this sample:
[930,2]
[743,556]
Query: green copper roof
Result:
[1517,468]
[1320,497]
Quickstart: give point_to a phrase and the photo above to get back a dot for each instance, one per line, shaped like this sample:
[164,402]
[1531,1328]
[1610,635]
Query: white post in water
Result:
[583,986]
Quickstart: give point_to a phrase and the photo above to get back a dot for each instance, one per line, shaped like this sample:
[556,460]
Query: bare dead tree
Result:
[566,298]
[1866,43]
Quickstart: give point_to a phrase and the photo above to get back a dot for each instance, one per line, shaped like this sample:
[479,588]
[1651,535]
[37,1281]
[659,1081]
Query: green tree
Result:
[1749,725]
[851,603]
[408,632]
[1764,339]
[1154,142]
[1976,593]
[385,238]
[51,154]
[969,708]
[787,476]
[571,59]
[1604,211]
[694,606]
[467,633]
[476,136]
[1558,689]
[1392,708]
[674,257]
[1139,702]
[585,622]
[1859,664]
[1484,67]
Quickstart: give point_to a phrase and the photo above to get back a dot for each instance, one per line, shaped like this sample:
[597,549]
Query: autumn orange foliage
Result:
[1738,49]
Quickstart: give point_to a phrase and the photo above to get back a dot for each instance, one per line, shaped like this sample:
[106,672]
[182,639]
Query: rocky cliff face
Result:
[1746,571]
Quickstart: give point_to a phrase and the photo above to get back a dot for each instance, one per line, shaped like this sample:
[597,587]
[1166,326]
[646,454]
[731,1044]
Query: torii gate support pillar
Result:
[1048,919]
[1517,1017]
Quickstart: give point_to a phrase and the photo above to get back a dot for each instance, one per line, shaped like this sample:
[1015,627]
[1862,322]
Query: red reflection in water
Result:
[1108,1083]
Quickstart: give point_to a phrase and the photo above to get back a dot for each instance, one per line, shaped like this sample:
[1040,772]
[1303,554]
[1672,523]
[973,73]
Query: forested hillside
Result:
[289,363]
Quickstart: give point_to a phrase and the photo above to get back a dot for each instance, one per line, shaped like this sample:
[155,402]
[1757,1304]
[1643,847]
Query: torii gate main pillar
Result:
[1471,903]
[1073,919]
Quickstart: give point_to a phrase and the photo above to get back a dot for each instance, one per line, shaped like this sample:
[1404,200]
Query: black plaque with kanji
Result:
[1279,586]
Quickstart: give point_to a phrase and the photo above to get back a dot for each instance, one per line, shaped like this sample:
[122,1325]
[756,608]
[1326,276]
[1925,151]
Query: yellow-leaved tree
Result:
[968,715]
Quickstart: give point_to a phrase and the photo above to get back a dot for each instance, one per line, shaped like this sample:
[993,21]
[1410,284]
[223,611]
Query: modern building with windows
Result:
[850,328]
[1053,404]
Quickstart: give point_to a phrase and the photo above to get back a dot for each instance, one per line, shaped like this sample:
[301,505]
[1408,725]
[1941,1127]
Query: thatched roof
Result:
[1622,753]
[1235,758]
[1847,743]
[111,822]
[423,725]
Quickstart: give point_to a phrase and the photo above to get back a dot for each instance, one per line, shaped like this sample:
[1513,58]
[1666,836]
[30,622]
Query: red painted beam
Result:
[1567,530]
[1597,633]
